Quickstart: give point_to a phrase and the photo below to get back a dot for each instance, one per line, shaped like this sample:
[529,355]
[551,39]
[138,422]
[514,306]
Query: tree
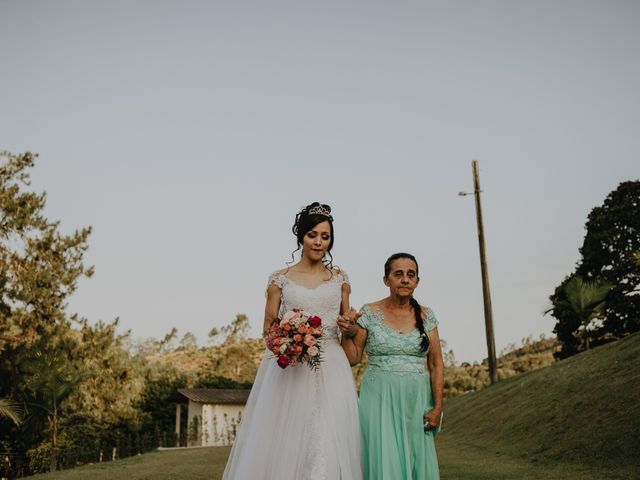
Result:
[113,382]
[612,239]
[608,253]
[11,410]
[39,266]
[189,341]
[39,270]
[581,303]
[51,381]
[167,343]
[215,381]
[159,397]
[237,330]
[214,335]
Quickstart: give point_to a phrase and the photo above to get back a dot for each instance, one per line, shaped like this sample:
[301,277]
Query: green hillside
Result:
[583,411]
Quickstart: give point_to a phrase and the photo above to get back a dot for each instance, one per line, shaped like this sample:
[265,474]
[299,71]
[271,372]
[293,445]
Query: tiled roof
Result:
[215,395]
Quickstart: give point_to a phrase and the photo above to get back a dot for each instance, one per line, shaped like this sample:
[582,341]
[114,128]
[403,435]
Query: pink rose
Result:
[302,329]
[287,326]
[309,340]
[315,321]
[283,362]
[298,349]
[297,337]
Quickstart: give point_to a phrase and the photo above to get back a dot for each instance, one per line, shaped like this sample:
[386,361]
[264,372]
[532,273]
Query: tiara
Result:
[319,210]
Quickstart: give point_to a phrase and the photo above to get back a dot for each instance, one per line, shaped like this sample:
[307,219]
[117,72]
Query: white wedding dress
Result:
[301,424]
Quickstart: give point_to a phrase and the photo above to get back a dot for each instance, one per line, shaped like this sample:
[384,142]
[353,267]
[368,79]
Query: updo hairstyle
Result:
[307,219]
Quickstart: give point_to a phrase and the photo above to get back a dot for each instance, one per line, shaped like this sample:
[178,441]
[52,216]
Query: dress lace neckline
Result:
[379,314]
[333,278]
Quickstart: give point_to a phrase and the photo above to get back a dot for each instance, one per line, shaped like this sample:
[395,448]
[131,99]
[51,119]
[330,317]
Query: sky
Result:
[188,135]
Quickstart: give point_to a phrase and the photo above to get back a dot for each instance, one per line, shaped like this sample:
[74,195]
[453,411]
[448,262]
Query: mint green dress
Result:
[395,393]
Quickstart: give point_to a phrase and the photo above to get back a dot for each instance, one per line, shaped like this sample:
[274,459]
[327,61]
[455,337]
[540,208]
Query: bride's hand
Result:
[347,322]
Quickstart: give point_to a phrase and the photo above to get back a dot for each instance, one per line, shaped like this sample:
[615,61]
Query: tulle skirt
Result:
[299,424]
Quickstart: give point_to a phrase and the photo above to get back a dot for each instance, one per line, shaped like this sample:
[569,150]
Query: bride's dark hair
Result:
[417,309]
[309,217]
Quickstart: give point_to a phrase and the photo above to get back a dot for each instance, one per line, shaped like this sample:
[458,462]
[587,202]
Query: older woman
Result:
[400,400]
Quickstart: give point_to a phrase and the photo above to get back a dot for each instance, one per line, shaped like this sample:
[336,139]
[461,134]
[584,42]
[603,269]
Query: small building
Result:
[214,415]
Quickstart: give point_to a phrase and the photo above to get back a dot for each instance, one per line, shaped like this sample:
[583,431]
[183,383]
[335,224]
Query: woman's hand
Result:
[347,322]
[431,419]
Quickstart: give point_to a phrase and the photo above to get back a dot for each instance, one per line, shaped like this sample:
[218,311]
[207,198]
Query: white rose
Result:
[298,319]
[313,351]
[286,318]
[283,348]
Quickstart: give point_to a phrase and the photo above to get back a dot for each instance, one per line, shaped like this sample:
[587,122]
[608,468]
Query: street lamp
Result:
[486,293]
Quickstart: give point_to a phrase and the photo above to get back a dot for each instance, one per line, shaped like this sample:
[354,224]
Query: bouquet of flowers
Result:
[294,339]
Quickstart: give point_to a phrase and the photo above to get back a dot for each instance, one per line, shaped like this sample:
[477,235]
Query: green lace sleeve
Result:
[363,321]
[431,321]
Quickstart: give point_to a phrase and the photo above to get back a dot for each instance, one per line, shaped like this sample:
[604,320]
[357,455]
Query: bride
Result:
[299,423]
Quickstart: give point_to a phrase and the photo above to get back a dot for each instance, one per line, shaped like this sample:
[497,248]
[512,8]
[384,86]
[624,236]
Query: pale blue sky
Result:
[188,134]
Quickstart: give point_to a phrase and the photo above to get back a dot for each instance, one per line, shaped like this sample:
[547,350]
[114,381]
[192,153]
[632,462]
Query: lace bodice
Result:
[323,301]
[390,350]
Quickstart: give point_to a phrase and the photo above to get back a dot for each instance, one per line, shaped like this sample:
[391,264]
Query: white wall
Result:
[220,423]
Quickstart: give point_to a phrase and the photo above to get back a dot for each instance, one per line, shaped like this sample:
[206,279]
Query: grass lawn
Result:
[181,464]
[462,462]
[456,463]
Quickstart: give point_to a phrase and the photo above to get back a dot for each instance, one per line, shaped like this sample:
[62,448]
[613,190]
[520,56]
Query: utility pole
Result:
[486,292]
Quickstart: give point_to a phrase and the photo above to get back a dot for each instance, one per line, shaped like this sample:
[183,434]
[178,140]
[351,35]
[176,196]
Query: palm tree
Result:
[52,381]
[585,300]
[8,408]
[11,410]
